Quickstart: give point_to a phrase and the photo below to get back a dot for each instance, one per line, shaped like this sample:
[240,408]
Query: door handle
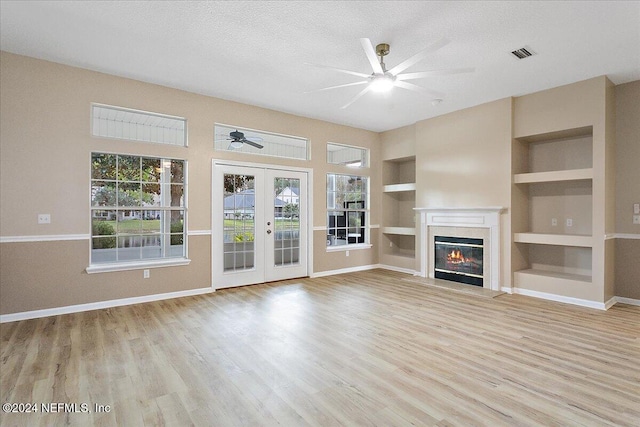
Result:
[268,231]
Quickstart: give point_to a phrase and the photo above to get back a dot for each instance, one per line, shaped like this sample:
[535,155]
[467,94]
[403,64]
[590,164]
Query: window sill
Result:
[354,247]
[137,265]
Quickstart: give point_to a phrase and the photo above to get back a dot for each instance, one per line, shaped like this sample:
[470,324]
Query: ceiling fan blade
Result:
[253,144]
[423,74]
[254,138]
[411,86]
[340,70]
[371,55]
[365,90]
[339,86]
[418,56]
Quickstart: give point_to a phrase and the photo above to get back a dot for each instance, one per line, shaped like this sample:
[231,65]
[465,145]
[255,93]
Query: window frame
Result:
[218,145]
[140,263]
[364,159]
[150,114]
[345,212]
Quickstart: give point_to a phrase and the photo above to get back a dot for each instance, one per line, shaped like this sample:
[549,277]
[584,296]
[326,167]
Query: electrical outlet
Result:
[636,219]
[146,274]
[569,222]
[390,244]
[636,208]
[554,222]
[346,253]
[44,219]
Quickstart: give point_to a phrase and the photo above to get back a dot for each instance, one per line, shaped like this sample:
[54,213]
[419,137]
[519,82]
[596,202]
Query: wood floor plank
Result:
[365,348]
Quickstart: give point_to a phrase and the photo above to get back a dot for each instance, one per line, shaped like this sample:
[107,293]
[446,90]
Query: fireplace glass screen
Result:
[459,259]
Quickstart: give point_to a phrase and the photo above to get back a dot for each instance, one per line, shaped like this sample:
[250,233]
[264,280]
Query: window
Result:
[354,157]
[227,138]
[124,123]
[137,208]
[347,210]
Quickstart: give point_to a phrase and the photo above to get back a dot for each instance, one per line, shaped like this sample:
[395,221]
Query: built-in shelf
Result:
[403,231]
[396,188]
[554,239]
[403,255]
[535,278]
[398,239]
[553,176]
[557,135]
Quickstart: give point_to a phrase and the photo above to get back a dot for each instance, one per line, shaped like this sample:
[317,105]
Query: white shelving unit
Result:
[399,188]
[552,210]
[553,176]
[400,231]
[398,218]
[536,277]
[554,239]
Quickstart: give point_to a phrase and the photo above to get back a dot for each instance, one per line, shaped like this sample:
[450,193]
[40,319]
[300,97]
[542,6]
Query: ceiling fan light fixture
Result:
[382,82]
[236,144]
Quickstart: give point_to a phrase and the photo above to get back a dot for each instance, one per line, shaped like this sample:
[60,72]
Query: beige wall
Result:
[398,143]
[45,154]
[583,104]
[627,270]
[463,159]
[627,156]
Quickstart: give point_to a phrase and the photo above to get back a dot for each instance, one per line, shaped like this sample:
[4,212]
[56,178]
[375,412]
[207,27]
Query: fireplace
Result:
[459,259]
[482,223]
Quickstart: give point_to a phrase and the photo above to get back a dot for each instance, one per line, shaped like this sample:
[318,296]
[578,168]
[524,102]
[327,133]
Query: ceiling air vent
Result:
[522,53]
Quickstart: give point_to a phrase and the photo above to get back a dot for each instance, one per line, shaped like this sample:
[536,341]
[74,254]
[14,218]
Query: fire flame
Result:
[455,257]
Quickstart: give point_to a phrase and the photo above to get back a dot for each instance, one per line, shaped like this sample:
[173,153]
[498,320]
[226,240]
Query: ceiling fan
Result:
[237,140]
[382,80]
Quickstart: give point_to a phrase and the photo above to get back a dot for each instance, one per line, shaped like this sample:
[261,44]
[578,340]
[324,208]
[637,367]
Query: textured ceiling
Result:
[259,52]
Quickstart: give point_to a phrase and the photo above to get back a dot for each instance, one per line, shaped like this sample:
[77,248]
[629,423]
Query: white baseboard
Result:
[564,299]
[612,301]
[630,301]
[36,314]
[344,270]
[507,289]
[361,268]
[398,269]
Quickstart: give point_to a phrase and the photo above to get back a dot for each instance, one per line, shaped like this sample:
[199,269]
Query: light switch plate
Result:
[636,208]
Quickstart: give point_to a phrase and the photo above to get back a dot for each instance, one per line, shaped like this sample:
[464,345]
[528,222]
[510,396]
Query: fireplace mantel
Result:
[472,217]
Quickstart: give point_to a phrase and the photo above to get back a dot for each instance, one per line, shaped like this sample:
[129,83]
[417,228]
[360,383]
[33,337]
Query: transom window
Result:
[135,125]
[347,209]
[242,140]
[137,208]
[355,157]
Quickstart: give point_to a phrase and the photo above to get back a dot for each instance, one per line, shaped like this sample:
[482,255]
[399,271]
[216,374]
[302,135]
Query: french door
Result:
[259,218]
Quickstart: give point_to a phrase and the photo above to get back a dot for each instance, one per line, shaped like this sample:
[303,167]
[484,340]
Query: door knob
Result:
[268,223]
[268,231]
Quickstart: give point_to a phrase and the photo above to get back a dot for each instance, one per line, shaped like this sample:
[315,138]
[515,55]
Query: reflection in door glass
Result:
[238,222]
[286,209]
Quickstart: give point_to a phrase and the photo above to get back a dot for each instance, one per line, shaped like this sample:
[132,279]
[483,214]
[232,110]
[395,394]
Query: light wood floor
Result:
[358,349]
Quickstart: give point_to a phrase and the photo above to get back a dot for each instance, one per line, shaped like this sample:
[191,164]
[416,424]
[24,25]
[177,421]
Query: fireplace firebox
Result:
[459,259]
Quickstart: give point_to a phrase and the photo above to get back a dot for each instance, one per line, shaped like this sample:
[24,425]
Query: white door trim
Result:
[310,182]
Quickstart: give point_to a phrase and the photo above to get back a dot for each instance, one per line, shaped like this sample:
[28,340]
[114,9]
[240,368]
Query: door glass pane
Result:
[238,222]
[286,209]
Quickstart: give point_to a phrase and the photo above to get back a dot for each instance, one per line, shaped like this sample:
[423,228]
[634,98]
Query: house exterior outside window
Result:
[347,210]
[138,209]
